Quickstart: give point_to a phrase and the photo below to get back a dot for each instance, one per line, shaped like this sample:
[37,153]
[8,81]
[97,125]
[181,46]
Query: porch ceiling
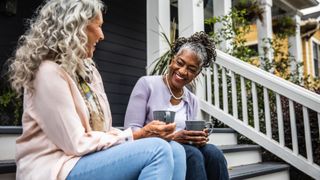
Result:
[293,5]
[302,4]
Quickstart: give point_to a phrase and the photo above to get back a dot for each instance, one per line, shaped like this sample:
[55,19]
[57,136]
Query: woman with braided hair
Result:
[189,57]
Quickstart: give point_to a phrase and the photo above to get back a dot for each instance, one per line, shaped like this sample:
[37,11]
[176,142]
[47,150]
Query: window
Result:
[316,54]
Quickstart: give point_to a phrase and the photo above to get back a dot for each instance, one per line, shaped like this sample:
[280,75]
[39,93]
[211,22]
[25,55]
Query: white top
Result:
[181,114]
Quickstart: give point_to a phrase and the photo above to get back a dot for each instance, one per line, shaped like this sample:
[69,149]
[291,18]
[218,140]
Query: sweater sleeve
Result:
[137,107]
[55,111]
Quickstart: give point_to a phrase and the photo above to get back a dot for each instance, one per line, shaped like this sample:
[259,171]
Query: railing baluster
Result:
[244,101]
[225,91]
[216,85]
[294,136]
[307,134]
[280,120]
[234,96]
[209,85]
[319,123]
[255,106]
[267,112]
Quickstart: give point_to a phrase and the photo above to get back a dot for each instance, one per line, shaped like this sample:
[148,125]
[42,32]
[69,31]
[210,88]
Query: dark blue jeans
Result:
[206,162]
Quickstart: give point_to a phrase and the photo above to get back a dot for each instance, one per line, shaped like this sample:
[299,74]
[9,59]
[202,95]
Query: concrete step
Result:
[260,171]
[223,136]
[7,169]
[243,154]
[8,136]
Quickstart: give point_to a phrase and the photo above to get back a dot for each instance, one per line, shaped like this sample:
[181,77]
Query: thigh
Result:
[195,163]
[192,152]
[211,152]
[124,161]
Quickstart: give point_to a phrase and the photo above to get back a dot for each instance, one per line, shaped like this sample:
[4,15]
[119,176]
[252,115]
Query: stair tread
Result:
[223,130]
[7,166]
[238,147]
[258,169]
[10,130]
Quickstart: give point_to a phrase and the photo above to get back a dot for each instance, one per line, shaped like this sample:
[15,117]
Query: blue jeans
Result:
[148,158]
[207,162]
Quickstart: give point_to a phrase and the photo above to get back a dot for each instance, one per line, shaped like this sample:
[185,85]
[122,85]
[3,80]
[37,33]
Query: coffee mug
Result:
[164,115]
[199,125]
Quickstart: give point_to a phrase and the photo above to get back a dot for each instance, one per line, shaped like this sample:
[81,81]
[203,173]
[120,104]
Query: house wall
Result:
[120,58]
[308,60]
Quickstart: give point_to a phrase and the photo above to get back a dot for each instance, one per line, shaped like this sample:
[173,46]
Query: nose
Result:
[183,70]
[101,36]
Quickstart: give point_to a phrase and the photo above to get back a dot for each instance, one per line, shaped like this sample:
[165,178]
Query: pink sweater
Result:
[56,130]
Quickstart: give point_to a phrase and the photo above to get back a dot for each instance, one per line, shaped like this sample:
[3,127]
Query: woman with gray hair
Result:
[168,92]
[67,132]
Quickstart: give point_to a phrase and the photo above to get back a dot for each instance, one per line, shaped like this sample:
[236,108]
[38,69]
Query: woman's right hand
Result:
[197,138]
[156,129]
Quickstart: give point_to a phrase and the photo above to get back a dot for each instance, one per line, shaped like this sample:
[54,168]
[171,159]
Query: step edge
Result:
[10,129]
[239,148]
[276,168]
[7,166]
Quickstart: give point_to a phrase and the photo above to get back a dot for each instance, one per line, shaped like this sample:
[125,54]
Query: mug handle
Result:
[209,126]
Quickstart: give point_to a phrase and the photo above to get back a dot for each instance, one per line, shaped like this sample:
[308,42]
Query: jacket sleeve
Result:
[55,111]
[137,107]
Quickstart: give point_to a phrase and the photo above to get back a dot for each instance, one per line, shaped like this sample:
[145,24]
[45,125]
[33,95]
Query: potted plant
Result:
[251,8]
[283,26]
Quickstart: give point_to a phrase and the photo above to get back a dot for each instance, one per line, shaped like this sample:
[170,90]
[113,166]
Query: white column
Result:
[190,16]
[265,27]
[221,8]
[191,20]
[296,47]
[158,22]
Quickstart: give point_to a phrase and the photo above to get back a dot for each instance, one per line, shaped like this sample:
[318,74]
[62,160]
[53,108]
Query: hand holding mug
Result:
[159,129]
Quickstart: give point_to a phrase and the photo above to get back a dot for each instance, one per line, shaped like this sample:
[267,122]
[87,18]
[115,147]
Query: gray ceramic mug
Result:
[199,125]
[164,115]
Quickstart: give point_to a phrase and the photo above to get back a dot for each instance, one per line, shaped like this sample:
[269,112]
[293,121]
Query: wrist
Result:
[139,134]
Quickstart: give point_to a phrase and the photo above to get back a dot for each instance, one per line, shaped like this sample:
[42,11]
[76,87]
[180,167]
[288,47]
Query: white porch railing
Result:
[238,87]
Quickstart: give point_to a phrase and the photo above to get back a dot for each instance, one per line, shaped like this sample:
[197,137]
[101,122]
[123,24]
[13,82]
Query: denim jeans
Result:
[207,162]
[148,158]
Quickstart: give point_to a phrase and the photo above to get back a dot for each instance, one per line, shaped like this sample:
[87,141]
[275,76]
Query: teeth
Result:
[178,76]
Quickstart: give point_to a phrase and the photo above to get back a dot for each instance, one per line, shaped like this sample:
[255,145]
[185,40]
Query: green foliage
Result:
[161,63]
[234,29]
[10,107]
[252,9]
[283,27]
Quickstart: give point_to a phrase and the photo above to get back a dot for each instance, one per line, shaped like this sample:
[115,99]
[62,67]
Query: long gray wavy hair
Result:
[56,33]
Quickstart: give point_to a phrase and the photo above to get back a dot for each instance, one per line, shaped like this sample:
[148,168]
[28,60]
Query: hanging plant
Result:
[251,8]
[283,27]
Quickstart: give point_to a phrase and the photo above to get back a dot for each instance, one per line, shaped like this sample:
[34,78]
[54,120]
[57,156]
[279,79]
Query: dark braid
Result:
[198,37]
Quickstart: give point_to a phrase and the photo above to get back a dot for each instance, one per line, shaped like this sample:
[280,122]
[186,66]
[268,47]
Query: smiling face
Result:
[184,67]
[94,33]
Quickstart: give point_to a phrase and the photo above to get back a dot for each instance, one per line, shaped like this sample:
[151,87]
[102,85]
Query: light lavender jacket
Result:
[151,93]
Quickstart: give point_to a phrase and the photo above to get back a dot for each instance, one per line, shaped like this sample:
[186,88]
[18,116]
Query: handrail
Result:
[275,83]
[233,68]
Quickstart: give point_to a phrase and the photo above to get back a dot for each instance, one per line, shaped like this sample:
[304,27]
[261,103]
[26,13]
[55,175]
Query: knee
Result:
[161,149]
[177,149]
[194,155]
[211,152]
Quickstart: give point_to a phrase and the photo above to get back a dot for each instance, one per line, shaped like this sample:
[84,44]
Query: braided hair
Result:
[201,44]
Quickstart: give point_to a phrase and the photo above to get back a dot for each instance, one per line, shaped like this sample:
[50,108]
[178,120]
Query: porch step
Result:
[223,136]
[241,154]
[260,171]
[8,136]
[7,169]
[7,166]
